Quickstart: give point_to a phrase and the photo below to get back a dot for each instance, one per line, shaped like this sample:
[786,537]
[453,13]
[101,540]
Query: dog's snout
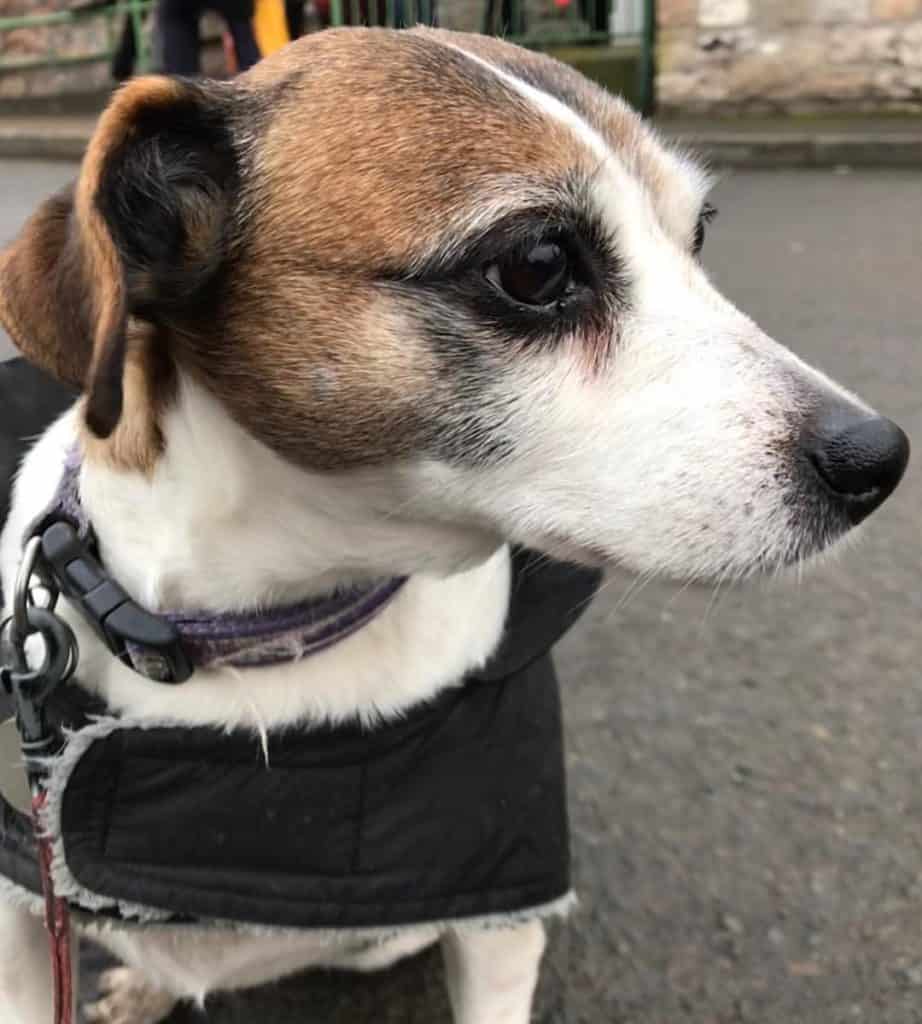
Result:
[860,457]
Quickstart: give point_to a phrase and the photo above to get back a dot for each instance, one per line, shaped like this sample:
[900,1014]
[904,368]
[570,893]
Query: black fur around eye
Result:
[708,213]
[540,276]
[530,279]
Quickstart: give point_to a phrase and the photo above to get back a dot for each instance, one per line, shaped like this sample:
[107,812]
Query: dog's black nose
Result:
[858,456]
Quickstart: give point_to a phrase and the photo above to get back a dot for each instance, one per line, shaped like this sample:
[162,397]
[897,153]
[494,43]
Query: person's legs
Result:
[178,21]
[123,59]
[244,43]
[294,15]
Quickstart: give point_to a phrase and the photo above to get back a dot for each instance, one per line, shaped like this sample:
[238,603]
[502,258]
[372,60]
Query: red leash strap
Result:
[30,687]
[57,924]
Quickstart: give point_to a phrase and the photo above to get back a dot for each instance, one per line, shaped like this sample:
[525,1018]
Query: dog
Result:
[384,305]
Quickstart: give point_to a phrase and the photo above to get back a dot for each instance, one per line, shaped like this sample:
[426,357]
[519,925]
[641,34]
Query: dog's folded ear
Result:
[141,235]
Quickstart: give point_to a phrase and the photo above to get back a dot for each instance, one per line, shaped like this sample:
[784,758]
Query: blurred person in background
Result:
[125,54]
[294,15]
[270,25]
[179,25]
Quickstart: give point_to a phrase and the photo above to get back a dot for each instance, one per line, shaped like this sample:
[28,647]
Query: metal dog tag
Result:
[13,783]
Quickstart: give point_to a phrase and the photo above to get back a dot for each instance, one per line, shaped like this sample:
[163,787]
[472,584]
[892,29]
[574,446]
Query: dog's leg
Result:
[127,997]
[166,964]
[492,972]
[385,954]
[25,968]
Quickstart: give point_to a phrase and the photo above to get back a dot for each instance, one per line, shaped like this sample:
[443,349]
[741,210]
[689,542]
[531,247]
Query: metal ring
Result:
[73,657]
[60,643]
[21,591]
[59,655]
[42,595]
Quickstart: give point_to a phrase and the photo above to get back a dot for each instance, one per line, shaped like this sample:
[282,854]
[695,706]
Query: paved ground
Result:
[745,794]
[865,141]
[805,141]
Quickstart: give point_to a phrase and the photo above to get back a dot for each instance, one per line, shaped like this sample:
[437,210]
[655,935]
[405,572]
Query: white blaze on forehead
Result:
[611,177]
[546,103]
[640,213]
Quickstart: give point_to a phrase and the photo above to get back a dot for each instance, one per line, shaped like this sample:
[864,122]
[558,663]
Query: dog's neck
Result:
[223,523]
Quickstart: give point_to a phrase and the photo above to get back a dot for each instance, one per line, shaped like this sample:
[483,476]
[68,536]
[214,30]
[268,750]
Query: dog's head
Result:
[457,266]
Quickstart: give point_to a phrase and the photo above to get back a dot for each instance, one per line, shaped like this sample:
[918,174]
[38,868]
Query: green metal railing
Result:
[389,13]
[535,23]
[111,14]
[561,23]
[542,23]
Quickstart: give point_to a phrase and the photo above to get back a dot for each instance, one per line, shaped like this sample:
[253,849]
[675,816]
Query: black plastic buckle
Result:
[134,635]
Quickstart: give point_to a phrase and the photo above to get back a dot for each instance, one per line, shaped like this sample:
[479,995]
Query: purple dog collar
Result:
[286,633]
[238,639]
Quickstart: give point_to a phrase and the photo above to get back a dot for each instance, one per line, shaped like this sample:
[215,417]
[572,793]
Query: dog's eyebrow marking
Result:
[673,160]
[546,103]
[508,227]
[509,197]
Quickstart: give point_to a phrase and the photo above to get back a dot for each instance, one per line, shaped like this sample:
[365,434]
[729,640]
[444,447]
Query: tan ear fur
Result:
[82,266]
[44,297]
[104,381]
[147,382]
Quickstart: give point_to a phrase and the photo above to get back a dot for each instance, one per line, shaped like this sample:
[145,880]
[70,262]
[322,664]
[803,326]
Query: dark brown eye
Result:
[708,213]
[537,277]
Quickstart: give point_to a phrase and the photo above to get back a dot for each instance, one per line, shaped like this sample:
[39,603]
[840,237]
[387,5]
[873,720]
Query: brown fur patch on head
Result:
[260,234]
[322,367]
[633,140]
[389,133]
[369,148]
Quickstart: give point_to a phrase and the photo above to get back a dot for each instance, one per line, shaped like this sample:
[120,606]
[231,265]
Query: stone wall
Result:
[81,38]
[28,44]
[800,56]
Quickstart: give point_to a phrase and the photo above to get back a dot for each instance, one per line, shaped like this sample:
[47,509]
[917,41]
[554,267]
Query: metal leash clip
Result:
[34,602]
[30,689]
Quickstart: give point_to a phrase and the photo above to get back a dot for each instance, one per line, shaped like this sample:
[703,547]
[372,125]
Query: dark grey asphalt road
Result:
[746,803]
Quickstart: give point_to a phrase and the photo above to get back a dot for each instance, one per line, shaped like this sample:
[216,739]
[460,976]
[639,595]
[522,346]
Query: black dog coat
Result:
[456,810]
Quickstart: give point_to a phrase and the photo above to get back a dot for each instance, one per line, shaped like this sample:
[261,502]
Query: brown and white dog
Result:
[382,305]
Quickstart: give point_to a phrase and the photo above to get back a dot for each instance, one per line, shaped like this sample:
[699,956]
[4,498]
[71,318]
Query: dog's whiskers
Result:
[634,588]
[715,597]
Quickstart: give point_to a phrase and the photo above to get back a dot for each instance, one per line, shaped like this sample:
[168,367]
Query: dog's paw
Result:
[127,997]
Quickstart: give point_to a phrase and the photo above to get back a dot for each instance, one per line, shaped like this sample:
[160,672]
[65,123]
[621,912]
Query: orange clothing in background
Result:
[270,26]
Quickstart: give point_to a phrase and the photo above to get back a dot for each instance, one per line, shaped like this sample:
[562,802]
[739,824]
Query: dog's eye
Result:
[708,213]
[537,277]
